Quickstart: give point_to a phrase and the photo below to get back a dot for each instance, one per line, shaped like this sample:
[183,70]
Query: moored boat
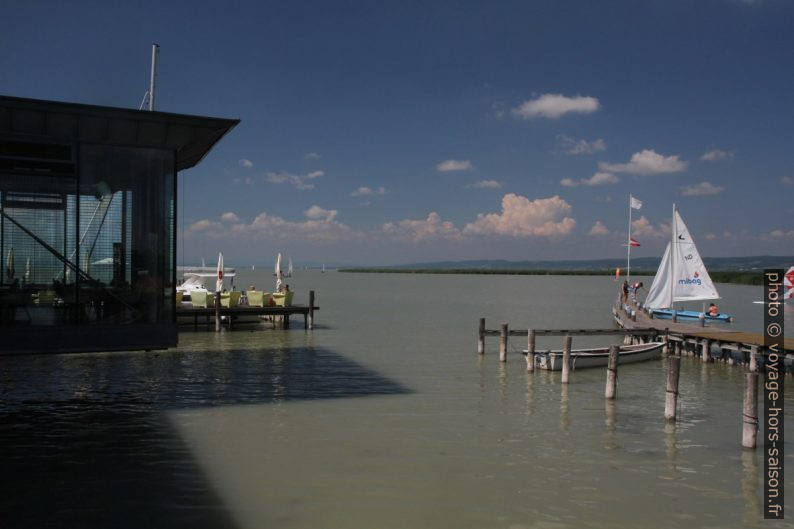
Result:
[691,315]
[597,357]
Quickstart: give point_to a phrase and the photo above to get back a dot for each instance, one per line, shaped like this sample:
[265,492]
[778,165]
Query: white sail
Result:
[660,294]
[691,280]
[289,268]
[681,275]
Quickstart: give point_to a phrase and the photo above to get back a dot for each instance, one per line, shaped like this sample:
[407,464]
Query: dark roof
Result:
[190,136]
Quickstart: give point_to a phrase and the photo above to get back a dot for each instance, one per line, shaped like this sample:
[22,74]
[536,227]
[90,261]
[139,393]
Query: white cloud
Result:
[716,155]
[702,189]
[229,216]
[520,217]
[317,213]
[246,163]
[422,230]
[642,227]
[711,237]
[312,156]
[368,191]
[646,162]
[598,179]
[598,229]
[485,184]
[779,234]
[786,180]
[553,106]
[454,165]
[573,146]
[299,181]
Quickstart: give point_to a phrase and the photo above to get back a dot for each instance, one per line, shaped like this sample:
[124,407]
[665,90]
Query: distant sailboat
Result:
[289,268]
[323,270]
[681,276]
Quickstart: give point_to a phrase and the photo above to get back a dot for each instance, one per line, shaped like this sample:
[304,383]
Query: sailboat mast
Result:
[673,255]
[628,248]
[153,75]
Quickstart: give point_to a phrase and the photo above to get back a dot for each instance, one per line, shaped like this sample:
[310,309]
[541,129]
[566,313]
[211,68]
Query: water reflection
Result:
[610,441]
[565,408]
[671,447]
[752,500]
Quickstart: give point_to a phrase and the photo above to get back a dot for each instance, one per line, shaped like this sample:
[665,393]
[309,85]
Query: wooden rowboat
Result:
[598,357]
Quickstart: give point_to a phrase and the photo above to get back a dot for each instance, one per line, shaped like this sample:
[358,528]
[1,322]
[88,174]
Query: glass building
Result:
[88,223]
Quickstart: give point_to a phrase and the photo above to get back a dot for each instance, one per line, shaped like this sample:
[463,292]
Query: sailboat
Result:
[681,277]
[289,268]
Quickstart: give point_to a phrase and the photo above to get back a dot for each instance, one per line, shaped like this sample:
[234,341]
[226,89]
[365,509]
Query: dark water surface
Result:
[383,416]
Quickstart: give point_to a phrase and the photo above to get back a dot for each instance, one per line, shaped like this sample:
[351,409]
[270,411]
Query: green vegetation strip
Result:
[741,278]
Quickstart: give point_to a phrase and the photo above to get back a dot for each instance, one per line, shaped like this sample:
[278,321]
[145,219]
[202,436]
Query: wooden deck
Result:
[720,333]
[232,316]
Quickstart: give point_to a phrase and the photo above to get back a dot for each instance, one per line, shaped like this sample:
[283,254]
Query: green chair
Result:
[230,299]
[256,298]
[199,299]
[283,299]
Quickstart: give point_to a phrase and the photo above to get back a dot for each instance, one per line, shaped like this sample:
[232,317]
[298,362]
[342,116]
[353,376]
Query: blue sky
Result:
[391,132]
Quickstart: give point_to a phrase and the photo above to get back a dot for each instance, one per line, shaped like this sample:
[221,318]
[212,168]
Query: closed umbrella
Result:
[10,265]
[219,282]
[279,274]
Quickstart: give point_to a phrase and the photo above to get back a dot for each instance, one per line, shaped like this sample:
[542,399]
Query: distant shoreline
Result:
[735,277]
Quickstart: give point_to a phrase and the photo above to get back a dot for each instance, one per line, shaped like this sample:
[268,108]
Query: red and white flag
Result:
[633,242]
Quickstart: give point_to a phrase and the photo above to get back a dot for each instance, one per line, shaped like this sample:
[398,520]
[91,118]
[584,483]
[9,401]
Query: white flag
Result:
[636,204]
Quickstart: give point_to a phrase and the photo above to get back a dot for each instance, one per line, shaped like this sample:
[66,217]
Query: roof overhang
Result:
[191,137]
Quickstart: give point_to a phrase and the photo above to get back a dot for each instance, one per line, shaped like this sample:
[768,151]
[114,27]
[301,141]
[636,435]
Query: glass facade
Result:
[86,235]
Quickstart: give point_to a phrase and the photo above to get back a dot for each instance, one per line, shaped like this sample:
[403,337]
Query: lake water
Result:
[383,416]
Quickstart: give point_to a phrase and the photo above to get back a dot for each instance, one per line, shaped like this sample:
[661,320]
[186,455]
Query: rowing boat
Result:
[597,357]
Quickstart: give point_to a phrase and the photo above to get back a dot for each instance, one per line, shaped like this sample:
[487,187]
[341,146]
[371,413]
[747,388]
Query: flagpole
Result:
[628,249]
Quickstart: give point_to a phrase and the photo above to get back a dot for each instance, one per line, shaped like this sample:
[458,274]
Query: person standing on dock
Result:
[636,288]
[625,292]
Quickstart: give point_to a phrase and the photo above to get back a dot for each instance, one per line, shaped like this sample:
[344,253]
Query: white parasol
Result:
[10,264]
[279,274]
[219,282]
[28,271]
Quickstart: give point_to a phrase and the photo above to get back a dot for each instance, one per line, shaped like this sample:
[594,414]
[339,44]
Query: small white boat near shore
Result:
[597,357]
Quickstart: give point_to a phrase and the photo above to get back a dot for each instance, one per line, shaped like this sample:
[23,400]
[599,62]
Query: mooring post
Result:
[702,318]
[671,395]
[218,311]
[311,309]
[750,410]
[753,359]
[531,351]
[612,373]
[481,337]
[566,358]
[705,351]
[503,343]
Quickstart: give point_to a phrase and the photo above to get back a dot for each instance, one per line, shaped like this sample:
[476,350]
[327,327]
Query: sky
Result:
[376,133]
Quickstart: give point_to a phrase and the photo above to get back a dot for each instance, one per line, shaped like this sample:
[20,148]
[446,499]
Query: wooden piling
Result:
[750,410]
[671,395]
[503,343]
[754,359]
[481,337]
[705,352]
[612,373]
[218,311]
[531,351]
[311,309]
[566,358]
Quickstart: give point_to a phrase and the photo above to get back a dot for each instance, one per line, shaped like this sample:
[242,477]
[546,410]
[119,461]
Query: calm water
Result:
[383,417]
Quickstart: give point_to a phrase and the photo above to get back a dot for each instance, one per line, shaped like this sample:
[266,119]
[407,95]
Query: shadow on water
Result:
[85,442]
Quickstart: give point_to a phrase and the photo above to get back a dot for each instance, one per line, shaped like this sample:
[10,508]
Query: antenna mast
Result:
[149,95]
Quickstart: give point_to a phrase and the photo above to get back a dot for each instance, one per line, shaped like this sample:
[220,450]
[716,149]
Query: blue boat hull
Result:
[689,315]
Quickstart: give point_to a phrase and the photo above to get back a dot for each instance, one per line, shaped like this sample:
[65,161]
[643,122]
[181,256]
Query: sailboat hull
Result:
[689,314]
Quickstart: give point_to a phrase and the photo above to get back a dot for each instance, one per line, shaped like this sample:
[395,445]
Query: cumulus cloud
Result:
[598,179]
[786,180]
[553,106]
[311,156]
[368,192]
[302,182]
[573,146]
[711,236]
[716,155]
[246,163]
[779,234]
[317,213]
[422,230]
[321,226]
[598,229]
[702,189]
[646,162]
[454,165]
[520,217]
[642,227]
[485,184]
[229,216]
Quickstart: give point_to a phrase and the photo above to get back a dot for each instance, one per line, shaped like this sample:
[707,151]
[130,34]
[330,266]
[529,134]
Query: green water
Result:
[384,416]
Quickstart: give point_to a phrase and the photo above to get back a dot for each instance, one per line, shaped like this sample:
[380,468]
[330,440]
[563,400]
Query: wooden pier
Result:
[217,316]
